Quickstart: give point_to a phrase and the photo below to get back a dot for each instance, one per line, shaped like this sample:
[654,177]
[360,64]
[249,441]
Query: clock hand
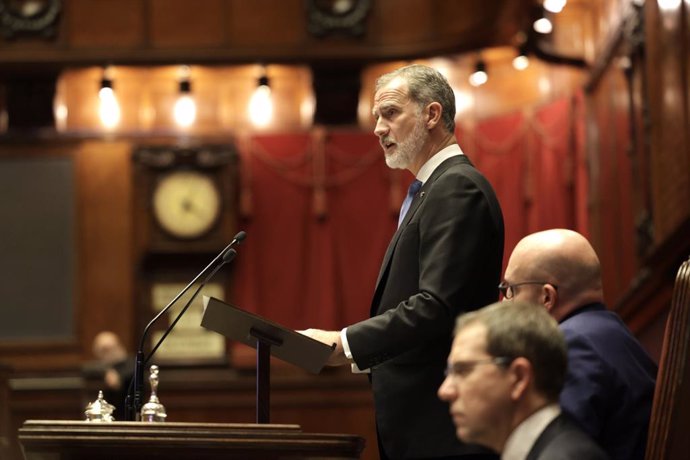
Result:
[192,207]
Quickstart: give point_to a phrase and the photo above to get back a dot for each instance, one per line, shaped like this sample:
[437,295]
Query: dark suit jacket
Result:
[444,259]
[562,439]
[609,387]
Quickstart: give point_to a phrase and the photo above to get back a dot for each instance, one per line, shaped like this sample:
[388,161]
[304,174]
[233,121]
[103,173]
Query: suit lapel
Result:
[396,236]
[552,430]
[416,203]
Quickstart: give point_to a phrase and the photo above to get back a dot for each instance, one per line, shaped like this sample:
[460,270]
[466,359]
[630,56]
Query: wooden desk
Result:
[80,440]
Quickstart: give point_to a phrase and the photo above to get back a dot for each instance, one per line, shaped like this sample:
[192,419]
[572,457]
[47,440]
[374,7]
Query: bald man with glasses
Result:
[610,381]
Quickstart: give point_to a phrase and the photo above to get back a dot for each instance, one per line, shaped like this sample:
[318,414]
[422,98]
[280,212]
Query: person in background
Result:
[442,260]
[117,367]
[505,371]
[610,383]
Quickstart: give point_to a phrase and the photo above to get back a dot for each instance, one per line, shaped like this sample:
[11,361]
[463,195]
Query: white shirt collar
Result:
[523,437]
[433,162]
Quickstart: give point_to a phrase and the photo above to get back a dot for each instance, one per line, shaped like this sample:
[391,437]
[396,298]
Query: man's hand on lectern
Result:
[337,357]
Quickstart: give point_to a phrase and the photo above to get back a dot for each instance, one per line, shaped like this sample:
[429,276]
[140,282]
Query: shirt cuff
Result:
[346,345]
[348,354]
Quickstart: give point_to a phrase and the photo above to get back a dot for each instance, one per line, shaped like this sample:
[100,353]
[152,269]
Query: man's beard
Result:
[406,150]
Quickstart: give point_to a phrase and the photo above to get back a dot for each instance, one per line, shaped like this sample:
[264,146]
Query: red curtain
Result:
[551,160]
[498,149]
[319,208]
[318,225]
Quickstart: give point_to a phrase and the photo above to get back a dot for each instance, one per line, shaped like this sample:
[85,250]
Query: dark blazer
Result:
[562,439]
[444,259]
[609,387]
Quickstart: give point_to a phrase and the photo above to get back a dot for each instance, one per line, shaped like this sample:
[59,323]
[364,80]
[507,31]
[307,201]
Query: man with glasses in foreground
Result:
[609,386]
[506,369]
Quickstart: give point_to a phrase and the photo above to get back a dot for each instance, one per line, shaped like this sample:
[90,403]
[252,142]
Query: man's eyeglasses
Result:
[508,289]
[464,368]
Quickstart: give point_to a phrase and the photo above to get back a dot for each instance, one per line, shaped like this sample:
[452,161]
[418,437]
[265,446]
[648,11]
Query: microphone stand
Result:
[226,259]
[134,395]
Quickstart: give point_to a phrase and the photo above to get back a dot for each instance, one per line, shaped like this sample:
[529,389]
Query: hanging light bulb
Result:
[543,26]
[479,76]
[261,104]
[554,6]
[521,61]
[60,111]
[61,114]
[669,5]
[108,108]
[184,111]
[463,102]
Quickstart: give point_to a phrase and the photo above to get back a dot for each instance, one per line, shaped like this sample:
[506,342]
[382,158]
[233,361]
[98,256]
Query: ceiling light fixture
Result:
[479,76]
[554,6]
[184,111]
[521,61]
[261,104]
[543,25]
[108,108]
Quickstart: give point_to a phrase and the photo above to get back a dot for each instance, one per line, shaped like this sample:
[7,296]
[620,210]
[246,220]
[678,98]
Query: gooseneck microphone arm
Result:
[227,258]
[134,397]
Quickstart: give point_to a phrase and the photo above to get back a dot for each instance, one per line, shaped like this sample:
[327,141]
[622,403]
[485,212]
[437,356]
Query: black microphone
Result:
[227,257]
[134,395]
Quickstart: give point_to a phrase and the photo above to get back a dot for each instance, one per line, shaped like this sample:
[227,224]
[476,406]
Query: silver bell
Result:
[153,411]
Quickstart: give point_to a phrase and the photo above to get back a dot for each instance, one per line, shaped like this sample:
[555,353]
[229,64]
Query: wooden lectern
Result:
[77,440]
[83,440]
[268,338]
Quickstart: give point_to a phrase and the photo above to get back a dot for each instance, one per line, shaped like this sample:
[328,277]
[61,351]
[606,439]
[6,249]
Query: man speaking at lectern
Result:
[444,259]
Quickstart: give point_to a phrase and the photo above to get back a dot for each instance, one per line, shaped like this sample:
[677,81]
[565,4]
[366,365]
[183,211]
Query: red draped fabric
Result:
[581,166]
[315,237]
[551,160]
[319,208]
[498,150]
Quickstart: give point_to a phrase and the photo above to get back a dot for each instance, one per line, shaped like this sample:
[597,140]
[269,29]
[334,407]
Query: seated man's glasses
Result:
[464,368]
[508,289]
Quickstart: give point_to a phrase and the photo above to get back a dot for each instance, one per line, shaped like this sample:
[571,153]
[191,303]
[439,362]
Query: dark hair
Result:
[426,85]
[519,329]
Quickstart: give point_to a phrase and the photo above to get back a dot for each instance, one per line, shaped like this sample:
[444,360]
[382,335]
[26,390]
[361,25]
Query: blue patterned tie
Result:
[411,192]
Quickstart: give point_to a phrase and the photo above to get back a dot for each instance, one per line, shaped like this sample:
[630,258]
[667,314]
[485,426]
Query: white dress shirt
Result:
[523,437]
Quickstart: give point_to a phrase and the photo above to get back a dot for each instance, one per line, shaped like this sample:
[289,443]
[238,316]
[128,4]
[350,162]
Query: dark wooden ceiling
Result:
[336,38]
[238,31]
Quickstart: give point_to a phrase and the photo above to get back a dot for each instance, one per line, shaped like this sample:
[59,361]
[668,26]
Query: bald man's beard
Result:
[407,150]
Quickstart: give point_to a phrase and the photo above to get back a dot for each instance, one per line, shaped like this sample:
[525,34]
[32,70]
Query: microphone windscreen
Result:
[229,255]
[241,235]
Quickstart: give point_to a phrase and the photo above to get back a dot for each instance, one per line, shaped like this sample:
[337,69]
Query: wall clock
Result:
[184,212]
[184,198]
[186,204]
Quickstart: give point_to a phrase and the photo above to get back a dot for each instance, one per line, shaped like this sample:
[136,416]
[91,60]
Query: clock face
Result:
[186,204]
[29,16]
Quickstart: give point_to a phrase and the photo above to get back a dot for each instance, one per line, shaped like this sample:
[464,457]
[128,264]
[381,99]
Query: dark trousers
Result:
[487,456]
[462,457]
[383,456]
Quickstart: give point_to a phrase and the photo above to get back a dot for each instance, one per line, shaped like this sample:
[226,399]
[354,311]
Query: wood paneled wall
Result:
[334,402]
[7,434]
[639,153]
[668,54]
[106,249]
[157,31]
[104,293]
